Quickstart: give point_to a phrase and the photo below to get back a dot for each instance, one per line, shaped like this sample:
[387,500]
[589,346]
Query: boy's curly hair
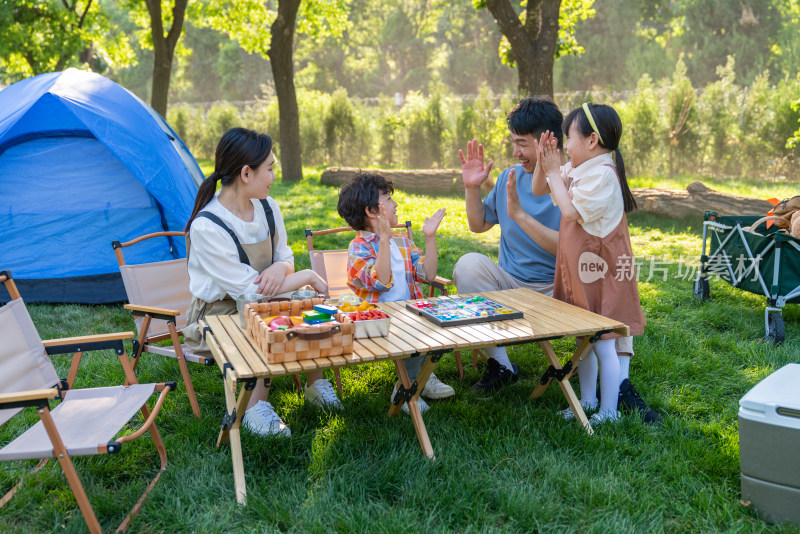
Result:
[361,192]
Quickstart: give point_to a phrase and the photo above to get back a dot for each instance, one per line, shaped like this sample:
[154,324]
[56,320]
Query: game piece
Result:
[455,311]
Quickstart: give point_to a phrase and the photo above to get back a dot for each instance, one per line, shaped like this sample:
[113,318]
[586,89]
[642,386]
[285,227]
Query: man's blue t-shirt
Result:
[520,256]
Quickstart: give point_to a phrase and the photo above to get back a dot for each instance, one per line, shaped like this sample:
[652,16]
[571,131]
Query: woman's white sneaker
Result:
[436,389]
[262,419]
[322,395]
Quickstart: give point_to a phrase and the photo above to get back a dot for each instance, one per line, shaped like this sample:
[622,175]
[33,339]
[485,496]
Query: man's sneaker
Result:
[631,401]
[322,395]
[436,389]
[261,419]
[423,406]
[601,417]
[588,406]
[495,377]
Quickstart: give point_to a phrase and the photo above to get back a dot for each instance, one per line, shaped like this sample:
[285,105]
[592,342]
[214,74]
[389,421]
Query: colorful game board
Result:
[454,311]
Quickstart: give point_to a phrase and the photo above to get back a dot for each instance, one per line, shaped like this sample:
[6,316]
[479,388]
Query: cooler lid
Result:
[776,399]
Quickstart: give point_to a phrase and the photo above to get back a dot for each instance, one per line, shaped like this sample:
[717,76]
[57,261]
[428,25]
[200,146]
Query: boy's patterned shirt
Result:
[362,277]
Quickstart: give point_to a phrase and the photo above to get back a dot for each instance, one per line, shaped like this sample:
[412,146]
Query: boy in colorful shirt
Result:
[384,266]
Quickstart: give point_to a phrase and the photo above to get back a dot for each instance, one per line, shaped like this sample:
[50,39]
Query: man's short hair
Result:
[361,192]
[534,115]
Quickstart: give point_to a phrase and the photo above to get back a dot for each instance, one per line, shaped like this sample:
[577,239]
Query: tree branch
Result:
[178,12]
[533,18]
[85,11]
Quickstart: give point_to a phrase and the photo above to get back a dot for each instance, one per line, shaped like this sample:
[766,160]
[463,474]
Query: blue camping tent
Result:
[84,162]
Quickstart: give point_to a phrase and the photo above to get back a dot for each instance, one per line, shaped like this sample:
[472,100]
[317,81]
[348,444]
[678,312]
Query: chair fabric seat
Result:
[85,419]
[169,351]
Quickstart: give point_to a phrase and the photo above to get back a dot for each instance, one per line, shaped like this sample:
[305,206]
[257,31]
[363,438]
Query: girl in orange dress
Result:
[595,268]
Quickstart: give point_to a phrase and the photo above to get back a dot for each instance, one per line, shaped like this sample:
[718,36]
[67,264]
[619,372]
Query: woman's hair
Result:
[609,132]
[360,193]
[237,147]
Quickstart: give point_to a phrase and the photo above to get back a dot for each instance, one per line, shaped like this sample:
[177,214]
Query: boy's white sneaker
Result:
[588,406]
[436,389]
[423,406]
[322,395]
[262,419]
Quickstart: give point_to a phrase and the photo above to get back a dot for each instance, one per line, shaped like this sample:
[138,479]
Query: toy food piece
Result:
[326,309]
[315,317]
[349,298]
[280,321]
[368,315]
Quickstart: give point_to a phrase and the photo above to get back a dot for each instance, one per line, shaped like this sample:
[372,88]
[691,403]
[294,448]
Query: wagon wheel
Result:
[701,288]
[776,329]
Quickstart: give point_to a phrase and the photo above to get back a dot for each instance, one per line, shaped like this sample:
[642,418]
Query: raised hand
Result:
[514,207]
[473,170]
[384,225]
[432,223]
[549,154]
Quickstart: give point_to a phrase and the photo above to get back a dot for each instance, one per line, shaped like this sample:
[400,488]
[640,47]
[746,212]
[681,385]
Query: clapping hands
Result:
[432,223]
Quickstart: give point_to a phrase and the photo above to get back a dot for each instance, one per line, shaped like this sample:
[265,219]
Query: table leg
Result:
[230,431]
[566,387]
[554,371]
[413,407]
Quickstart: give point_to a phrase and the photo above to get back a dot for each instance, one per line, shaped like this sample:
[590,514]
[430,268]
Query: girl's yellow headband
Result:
[591,121]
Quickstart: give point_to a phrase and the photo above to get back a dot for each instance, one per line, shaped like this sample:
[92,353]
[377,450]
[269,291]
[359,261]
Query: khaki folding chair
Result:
[331,265]
[158,296]
[86,421]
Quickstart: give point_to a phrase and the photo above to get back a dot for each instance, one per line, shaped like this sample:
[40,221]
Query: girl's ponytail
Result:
[204,195]
[238,147]
[627,196]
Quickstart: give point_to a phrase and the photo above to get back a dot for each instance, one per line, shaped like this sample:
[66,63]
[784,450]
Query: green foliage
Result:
[41,36]
[340,126]
[683,128]
[219,119]
[718,111]
[642,120]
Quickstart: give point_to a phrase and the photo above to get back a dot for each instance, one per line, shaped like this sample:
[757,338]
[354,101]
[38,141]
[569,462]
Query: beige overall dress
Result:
[260,256]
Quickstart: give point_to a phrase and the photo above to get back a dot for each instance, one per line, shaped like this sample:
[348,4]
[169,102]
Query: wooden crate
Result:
[302,343]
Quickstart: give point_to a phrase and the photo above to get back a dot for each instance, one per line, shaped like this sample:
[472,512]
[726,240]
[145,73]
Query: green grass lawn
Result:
[504,463]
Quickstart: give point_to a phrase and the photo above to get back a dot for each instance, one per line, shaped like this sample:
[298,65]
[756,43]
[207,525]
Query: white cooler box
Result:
[769,445]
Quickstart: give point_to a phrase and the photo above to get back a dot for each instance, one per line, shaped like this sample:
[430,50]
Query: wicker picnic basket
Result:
[302,343]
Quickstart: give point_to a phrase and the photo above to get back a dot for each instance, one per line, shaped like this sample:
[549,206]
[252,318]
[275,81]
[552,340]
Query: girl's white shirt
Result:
[214,266]
[596,194]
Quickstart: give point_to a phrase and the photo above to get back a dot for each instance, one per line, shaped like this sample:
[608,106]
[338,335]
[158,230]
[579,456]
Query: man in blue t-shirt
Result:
[528,223]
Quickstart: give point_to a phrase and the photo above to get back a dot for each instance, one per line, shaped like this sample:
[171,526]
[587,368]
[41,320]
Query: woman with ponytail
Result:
[594,262]
[237,245]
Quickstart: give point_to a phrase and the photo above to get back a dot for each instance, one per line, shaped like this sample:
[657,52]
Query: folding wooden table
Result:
[241,362]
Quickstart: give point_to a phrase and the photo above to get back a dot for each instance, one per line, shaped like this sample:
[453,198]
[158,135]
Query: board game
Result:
[455,311]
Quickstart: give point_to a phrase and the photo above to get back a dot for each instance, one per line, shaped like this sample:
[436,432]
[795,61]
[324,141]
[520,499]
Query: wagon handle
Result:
[753,226]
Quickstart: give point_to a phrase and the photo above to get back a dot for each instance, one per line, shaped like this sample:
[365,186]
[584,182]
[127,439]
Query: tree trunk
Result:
[163,50]
[533,45]
[282,62]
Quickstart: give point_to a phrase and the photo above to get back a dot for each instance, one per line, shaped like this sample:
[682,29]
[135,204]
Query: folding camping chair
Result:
[87,420]
[331,265]
[158,296]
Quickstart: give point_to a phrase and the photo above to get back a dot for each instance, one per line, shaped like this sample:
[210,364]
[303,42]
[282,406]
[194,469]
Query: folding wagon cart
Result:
[748,255]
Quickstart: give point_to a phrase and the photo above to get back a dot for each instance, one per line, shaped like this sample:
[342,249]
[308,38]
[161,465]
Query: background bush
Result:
[728,129]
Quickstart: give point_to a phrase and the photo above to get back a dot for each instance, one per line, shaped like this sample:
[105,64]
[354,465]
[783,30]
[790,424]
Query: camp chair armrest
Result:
[139,309]
[86,343]
[164,388]
[31,397]
[438,282]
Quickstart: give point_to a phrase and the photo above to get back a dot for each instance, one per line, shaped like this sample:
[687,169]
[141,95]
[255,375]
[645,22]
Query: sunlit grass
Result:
[504,463]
